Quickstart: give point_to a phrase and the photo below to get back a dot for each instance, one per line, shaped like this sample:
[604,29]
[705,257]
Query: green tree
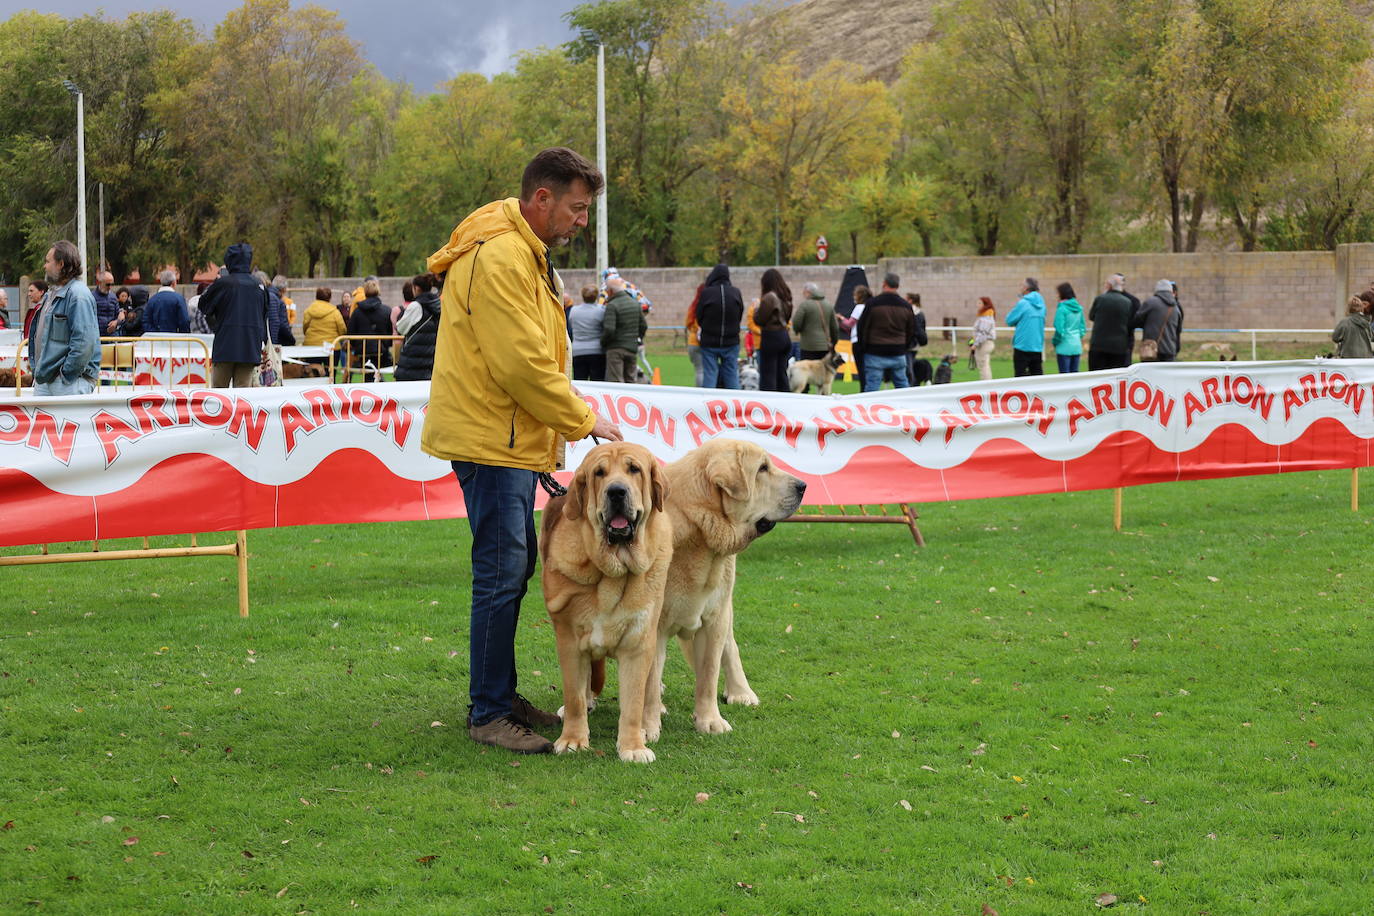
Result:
[795,140]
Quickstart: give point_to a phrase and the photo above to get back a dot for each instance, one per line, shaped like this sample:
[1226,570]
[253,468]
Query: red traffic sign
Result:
[822,248]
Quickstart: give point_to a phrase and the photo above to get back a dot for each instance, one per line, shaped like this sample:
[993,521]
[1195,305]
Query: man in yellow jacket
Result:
[499,403]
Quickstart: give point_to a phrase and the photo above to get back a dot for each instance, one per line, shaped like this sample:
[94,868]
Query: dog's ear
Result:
[658,485]
[726,473]
[577,495]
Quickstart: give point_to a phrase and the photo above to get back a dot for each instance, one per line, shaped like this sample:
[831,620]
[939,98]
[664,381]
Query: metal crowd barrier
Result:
[365,365]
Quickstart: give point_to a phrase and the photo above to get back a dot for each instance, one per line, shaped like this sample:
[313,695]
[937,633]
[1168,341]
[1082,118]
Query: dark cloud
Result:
[424,42]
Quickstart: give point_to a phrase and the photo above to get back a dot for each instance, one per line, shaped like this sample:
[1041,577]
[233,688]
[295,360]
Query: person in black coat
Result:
[416,361]
[720,308]
[235,306]
[370,317]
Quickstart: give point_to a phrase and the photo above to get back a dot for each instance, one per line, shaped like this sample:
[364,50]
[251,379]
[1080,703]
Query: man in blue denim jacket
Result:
[64,350]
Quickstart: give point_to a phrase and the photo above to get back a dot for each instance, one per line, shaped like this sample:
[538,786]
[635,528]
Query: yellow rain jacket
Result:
[499,394]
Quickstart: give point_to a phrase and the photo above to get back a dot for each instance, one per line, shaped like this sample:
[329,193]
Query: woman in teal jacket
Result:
[1028,318]
[1069,328]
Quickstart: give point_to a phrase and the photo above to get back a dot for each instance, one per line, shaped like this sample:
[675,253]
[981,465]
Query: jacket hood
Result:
[371,304]
[719,274]
[482,225]
[239,258]
[1034,298]
[139,295]
[429,297]
[1071,305]
[1166,297]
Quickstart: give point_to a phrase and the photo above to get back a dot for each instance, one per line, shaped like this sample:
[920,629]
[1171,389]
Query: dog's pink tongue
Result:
[620,522]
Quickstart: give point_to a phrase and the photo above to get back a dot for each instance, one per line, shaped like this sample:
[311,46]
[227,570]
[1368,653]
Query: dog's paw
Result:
[742,698]
[637,755]
[591,707]
[713,726]
[568,743]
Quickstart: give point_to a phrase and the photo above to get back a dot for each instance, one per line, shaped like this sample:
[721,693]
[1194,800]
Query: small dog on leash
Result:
[818,372]
[944,373]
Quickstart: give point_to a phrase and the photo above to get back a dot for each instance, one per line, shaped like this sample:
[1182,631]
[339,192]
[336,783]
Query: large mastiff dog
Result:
[606,549]
[721,497]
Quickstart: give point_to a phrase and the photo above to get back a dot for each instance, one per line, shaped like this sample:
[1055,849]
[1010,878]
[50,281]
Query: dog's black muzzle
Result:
[621,523]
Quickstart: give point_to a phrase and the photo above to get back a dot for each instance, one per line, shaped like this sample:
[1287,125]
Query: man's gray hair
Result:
[1032,284]
[892,281]
[1117,282]
[260,276]
[811,289]
[279,282]
[167,277]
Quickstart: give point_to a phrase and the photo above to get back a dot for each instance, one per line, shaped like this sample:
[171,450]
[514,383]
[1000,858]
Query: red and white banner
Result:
[164,462]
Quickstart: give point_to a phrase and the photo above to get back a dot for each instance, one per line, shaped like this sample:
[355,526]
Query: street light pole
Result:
[80,172]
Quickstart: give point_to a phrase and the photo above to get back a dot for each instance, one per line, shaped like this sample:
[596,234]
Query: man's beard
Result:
[52,278]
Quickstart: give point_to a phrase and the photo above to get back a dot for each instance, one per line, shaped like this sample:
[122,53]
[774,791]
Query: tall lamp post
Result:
[80,171]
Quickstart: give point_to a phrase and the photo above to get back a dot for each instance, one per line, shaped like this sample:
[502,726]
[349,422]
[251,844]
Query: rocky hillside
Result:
[873,34]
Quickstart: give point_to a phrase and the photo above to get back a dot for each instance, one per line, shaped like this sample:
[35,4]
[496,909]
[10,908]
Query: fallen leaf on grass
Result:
[426,861]
[9,825]
[988,911]
[131,841]
[929,769]
[905,804]
[702,797]
[744,887]
[1105,900]
[248,855]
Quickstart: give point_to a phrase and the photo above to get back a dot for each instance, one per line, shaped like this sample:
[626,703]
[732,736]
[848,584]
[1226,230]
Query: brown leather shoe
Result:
[522,708]
[513,735]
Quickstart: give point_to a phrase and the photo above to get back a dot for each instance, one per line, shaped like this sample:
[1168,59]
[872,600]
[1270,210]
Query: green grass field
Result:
[1028,713]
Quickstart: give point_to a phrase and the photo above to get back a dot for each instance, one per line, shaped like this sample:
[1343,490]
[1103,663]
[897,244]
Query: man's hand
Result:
[606,430]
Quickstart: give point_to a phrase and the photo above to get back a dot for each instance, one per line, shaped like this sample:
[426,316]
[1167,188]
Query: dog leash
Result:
[550,483]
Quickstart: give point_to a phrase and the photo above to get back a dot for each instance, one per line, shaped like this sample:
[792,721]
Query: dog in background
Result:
[819,372]
[944,373]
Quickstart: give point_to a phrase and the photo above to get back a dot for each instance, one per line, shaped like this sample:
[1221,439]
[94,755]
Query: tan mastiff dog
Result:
[606,550]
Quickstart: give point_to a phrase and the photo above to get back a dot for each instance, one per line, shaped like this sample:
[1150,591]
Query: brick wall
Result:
[1278,289]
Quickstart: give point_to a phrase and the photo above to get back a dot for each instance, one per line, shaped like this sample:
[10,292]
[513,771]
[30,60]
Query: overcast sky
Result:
[421,41]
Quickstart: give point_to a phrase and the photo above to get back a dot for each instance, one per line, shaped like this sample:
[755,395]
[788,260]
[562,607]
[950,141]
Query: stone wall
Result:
[1218,290]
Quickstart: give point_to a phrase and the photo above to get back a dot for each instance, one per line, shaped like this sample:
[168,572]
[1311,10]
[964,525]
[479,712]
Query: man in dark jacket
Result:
[1113,316]
[106,305]
[166,312]
[886,331]
[1161,318]
[623,327]
[720,308]
[416,361]
[235,305]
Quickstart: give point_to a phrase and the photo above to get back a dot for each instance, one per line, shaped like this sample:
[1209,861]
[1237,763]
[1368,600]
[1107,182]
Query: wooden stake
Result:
[241,545]
[1116,509]
[1354,489]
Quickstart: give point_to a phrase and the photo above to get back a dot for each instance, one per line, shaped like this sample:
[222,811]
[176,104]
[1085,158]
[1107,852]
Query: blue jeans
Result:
[60,386]
[875,365]
[720,367]
[1067,363]
[500,506]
